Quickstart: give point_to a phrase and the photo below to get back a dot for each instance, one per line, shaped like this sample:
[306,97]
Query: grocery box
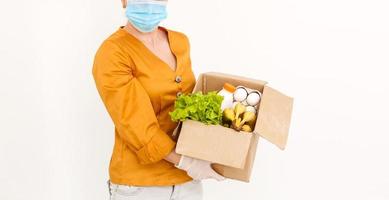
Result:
[234,152]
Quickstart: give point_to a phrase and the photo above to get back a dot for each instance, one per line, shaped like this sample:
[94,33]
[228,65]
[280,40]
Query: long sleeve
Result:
[129,105]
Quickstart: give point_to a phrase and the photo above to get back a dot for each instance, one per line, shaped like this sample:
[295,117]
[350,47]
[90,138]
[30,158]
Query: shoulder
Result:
[179,36]
[115,48]
[112,44]
[179,41]
[112,54]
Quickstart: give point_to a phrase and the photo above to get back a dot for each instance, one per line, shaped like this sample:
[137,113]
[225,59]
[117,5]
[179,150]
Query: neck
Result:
[150,36]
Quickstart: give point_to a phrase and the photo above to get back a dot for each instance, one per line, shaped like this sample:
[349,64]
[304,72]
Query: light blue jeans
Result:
[192,190]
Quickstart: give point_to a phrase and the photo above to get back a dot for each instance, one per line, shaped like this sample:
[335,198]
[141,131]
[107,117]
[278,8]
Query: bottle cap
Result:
[229,87]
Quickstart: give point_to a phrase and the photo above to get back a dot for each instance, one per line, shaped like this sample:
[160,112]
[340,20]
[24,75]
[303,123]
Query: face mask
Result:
[145,15]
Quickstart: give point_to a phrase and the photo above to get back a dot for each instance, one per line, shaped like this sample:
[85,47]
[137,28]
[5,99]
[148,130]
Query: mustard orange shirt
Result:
[138,90]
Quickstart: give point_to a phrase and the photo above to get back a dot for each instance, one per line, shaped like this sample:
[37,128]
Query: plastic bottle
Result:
[228,93]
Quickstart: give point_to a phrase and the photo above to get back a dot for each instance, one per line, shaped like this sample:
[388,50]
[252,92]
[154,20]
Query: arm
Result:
[128,104]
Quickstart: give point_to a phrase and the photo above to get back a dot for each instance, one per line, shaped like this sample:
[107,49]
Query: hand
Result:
[198,169]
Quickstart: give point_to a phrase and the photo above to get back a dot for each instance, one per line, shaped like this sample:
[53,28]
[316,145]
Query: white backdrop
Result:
[332,56]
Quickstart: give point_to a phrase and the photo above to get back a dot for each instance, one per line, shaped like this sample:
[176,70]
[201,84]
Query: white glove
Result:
[198,169]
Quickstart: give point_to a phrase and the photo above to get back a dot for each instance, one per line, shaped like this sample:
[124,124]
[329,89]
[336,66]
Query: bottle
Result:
[228,93]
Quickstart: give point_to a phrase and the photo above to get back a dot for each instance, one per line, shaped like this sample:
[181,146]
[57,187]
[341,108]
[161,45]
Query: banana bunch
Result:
[239,118]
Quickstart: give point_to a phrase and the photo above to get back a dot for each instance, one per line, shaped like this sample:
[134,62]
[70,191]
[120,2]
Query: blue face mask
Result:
[146,16]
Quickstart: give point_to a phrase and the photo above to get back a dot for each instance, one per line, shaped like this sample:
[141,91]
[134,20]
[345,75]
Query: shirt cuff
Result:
[157,149]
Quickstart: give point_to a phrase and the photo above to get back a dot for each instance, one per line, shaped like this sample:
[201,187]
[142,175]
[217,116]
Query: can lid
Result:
[229,87]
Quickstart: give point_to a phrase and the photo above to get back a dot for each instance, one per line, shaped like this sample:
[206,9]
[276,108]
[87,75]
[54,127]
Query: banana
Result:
[236,124]
[252,123]
[246,128]
[228,115]
[239,109]
[247,117]
[232,118]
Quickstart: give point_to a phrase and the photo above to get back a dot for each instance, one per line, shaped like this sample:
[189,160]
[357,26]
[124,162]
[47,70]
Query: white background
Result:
[331,56]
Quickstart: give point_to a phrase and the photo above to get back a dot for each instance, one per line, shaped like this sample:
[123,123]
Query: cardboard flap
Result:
[274,116]
[214,81]
[199,84]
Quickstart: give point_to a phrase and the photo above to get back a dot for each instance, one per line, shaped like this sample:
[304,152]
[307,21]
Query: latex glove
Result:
[198,169]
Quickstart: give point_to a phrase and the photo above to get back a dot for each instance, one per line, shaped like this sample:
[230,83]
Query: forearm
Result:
[173,157]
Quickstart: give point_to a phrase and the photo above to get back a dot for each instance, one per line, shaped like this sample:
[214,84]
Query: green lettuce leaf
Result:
[200,107]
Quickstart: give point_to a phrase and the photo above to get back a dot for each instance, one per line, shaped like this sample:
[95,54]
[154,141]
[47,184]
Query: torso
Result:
[151,71]
[161,48]
[163,51]
[156,68]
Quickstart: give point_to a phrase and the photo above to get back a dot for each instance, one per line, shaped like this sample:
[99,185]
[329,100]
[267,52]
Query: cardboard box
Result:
[234,152]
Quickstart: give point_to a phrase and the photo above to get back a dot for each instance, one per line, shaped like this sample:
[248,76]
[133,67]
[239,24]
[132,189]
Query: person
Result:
[139,72]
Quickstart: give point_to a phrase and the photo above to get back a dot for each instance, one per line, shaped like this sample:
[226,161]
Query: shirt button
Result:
[179,94]
[178,79]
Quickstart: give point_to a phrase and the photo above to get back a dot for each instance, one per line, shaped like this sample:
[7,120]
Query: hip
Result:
[191,190]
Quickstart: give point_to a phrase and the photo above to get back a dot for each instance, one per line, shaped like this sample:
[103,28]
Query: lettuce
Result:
[205,108]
